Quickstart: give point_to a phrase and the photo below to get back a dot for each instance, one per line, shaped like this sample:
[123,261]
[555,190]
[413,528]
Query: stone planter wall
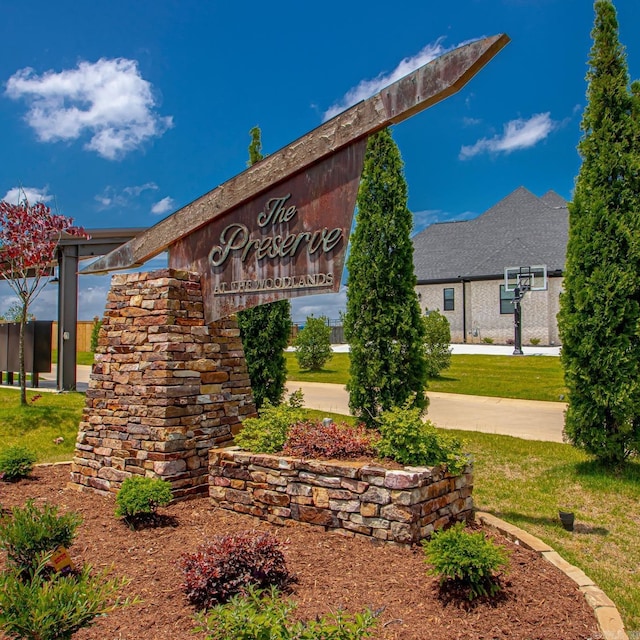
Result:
[164,388]
[400,506]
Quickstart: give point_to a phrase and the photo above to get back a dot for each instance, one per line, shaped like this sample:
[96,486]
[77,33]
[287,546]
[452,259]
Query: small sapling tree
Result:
[436,343]
[29,236]
[313,344]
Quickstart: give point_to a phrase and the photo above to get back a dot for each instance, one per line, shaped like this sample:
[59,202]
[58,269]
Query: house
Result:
[460,268]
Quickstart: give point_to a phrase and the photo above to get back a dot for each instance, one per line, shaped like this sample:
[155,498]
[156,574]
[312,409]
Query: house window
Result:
[448,300]
[506,300]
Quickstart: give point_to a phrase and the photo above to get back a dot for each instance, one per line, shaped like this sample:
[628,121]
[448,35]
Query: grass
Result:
[47,416]
[526,377]
[82,357]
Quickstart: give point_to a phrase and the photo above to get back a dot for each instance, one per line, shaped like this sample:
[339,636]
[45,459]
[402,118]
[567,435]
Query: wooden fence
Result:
[84,328]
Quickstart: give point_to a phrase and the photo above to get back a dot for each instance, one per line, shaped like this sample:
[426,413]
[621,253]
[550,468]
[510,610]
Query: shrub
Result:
[268,432]
[406,439]
[54,606]
[535,341]
[16,462]
[436,343]
[139,497]
[95,333]
[313,344]
[466,558]
[230,564]
[262,616]
[487,340]
[30,531]
[315,439]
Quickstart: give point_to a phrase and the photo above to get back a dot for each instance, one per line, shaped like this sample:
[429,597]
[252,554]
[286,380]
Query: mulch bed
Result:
[537,601]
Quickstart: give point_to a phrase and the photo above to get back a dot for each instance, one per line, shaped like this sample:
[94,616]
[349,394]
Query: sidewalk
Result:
[528,419]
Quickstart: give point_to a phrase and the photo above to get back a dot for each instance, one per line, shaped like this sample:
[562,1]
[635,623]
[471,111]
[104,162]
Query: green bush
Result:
[436,343]
[49,606]
[487,340]
[139,497]
[535,341]
[313,344]
[16,462]
[266,616]
[95,333]
[466,558]
[407,439]
[268,432]
[30,531]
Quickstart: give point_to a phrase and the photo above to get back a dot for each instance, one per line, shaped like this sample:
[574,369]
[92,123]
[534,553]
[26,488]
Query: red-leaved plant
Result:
[29,237]
[315,439]
[229,564]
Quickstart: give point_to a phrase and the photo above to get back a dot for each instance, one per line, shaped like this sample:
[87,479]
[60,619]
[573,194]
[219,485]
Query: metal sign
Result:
[280,229]
[290,241]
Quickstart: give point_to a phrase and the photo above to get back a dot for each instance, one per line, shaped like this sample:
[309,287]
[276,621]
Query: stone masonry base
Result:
[400,506]
[164,389]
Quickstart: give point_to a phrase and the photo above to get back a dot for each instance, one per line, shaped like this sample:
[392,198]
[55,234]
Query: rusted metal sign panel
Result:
[415,92]
[289,241]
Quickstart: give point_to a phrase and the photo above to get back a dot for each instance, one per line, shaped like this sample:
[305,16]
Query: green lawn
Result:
[82,357]
[527,377]
[47,416]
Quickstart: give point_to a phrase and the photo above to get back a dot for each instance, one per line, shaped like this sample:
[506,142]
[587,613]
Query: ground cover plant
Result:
[30,531]
[266,615]
[36,601]
[328,439]
[232,564]
[16,462]
[139,498]
[466,559]
[333,573]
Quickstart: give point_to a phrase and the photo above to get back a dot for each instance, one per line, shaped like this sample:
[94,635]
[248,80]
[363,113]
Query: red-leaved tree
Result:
[29,236]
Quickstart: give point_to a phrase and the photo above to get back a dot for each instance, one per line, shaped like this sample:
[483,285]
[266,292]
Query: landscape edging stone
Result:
[607,614]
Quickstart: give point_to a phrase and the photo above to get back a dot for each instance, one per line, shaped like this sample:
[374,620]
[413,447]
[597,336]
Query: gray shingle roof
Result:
[521,229]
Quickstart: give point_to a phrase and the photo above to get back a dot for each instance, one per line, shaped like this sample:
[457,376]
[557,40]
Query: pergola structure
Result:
[70,251]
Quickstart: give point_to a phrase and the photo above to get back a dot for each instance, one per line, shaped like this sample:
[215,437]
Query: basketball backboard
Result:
[529,278]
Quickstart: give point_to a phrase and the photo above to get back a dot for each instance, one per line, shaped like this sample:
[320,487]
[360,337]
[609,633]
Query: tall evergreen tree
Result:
[383,322]
[599,316]
[265,330]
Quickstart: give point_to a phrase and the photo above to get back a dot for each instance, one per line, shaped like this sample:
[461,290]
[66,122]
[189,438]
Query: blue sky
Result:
[119,113]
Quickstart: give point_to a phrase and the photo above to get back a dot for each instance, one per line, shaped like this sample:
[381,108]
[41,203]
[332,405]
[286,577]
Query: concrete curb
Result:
[605,610]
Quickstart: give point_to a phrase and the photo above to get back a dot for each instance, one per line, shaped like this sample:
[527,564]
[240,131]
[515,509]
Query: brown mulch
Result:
[537,601]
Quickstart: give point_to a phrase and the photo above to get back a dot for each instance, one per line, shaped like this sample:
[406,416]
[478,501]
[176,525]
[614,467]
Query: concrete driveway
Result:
[528,419]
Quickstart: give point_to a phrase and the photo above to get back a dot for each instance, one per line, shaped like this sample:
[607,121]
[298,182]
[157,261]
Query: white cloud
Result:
[323,304]
[163,206]
[517,134]
[110,197]
[366,88]
[108,100]
[16,195]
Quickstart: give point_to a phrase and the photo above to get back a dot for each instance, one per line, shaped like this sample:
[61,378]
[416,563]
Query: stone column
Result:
[165,387]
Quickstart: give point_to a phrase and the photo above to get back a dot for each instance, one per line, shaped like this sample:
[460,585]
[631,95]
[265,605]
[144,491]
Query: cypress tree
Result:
[383,322]
[599,316]
[265,330]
